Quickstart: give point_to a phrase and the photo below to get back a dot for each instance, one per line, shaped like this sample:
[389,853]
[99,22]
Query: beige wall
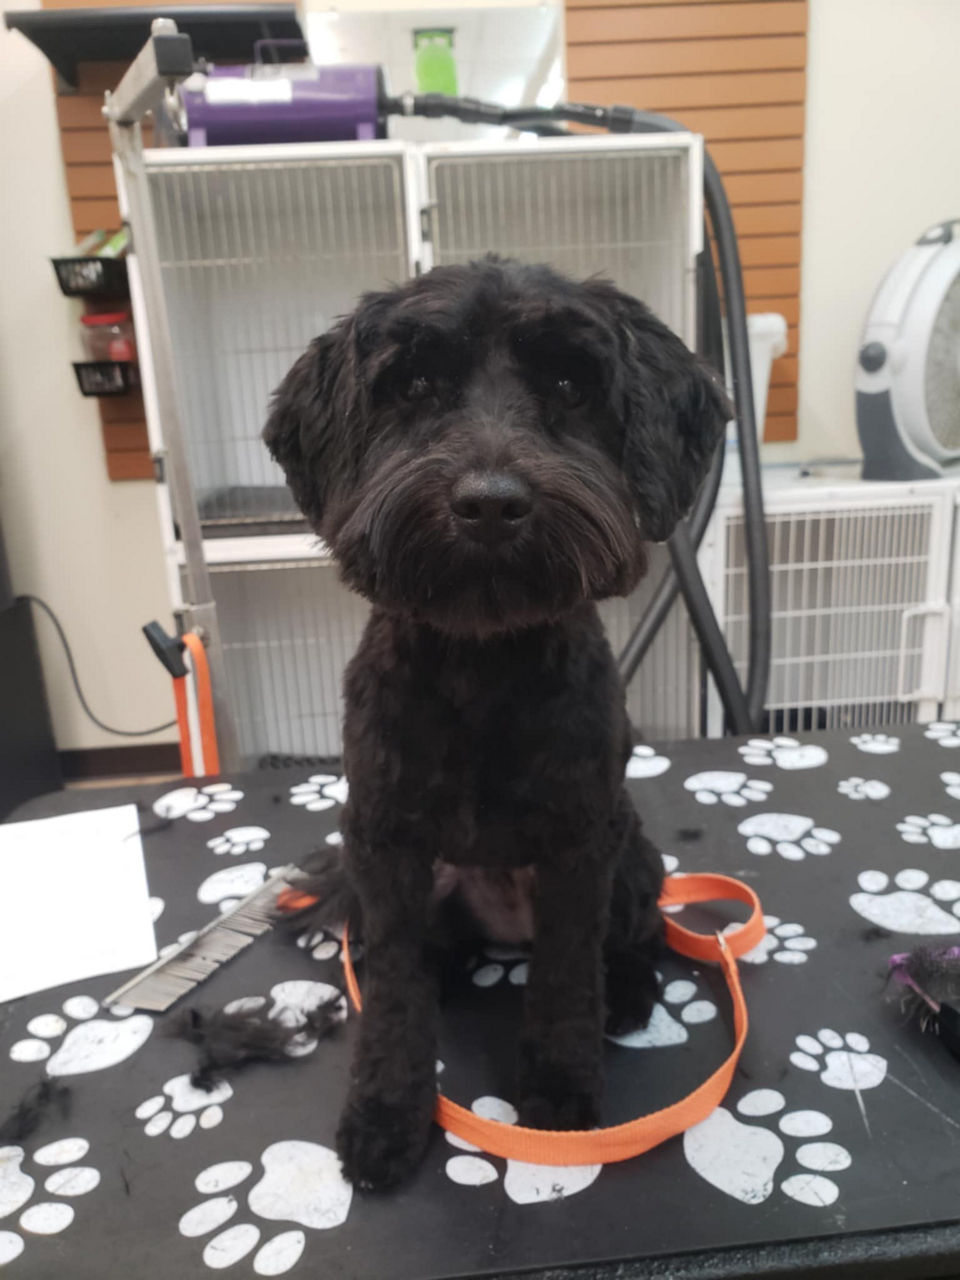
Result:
[89,547]
[882,163]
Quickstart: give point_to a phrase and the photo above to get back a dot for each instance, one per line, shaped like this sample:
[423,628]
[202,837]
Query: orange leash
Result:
[201,675]
[623,1141]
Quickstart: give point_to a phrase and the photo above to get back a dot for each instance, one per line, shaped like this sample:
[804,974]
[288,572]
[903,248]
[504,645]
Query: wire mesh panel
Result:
[853,589]
[663,698]
[619,212]
[289,631]
[257,258]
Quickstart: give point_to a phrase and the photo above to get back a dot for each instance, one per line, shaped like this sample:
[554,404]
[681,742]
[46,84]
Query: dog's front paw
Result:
[558,1096]
[381,1143]
[631,991]
[570,1111]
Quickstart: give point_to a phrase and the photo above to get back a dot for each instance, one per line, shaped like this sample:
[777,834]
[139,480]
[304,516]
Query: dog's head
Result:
[490,445]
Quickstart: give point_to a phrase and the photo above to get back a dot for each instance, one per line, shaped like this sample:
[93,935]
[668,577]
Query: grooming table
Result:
[837,1152]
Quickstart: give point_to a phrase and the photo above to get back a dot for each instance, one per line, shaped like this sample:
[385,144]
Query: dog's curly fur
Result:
[486,449]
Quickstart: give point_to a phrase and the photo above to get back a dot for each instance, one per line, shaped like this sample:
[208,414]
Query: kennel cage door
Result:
[260,250]
[629,209]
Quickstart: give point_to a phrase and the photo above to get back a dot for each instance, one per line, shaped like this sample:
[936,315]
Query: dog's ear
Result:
[307,424]
[674,410]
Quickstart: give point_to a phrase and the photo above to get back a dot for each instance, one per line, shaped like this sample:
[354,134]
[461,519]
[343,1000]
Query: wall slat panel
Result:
[735,71]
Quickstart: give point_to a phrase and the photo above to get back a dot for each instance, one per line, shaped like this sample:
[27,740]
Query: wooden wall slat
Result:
[76,111]
[94,215]
[756,157]
[734,71]
[701,89]
[86,181]
[129,465]
[776,187]
[642,4]
[770,251]
[125,437]
[686,21]
[767,219]
[780,427]
[685,57]
[86,146]
[723,124]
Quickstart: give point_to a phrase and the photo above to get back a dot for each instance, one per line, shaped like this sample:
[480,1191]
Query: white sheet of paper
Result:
[74,901]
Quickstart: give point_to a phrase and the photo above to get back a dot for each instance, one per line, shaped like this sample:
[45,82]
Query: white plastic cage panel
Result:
[664,697]
[289,629]
[858,607]
[257,258]
[629,213]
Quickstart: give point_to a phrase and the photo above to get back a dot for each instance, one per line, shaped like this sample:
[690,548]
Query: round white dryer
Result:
[908,365]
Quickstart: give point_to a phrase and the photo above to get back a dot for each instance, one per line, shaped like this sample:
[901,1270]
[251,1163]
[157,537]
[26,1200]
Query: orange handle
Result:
[208,728]
[623,1141]
[183,725]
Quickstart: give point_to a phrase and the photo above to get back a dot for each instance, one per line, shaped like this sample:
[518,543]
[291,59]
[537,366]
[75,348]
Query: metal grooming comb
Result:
[180,971]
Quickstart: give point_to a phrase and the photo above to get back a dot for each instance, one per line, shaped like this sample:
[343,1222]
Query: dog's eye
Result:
[417,388]
[570,392]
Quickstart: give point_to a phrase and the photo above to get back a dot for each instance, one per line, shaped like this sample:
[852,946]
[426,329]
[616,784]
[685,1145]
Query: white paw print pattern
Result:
[951,782]
[320,791]
[199,804]
[945,733]
[302,1183]
[664,1030]
[499,962]
[936,829]
[323,944]
[181,1107]
[645,763]
[914,906]
[523,1183]
[91,1044]
[293,1002]
[227,887]
[732,788]
[787,943]
[785,753]
[876,744]
[842,1062]
[743,1160]
[790,834]
[43,1217]
[239,840]
[863,788]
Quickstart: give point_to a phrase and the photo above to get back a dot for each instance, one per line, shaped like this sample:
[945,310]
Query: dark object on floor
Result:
[487,450]
[930,980]
[228,1041]
[33,1108]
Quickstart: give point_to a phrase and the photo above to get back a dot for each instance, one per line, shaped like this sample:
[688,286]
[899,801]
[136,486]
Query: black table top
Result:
[837,1151]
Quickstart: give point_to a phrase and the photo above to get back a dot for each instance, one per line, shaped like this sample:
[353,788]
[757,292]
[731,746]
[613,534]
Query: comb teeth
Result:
[179,972]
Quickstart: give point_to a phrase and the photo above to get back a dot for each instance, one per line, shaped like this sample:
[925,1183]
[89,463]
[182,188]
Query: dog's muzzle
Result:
[491,507]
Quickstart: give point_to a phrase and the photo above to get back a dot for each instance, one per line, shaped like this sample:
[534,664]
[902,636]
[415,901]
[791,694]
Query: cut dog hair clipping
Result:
[179,972]
[931,979]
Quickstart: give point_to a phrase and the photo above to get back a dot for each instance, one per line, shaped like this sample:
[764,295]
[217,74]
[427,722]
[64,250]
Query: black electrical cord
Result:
[628,120]
[120,733]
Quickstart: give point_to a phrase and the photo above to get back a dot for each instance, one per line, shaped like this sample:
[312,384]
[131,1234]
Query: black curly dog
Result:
[486,450]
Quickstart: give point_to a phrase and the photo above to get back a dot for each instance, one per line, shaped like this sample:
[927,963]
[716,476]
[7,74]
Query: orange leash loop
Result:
[201,675]
[623,1141]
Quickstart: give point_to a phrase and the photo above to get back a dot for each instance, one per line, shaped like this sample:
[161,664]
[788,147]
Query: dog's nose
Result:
[491,505]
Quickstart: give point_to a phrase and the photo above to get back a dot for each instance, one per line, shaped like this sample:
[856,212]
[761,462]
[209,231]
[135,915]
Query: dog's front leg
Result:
[385,1124]
[560,1050]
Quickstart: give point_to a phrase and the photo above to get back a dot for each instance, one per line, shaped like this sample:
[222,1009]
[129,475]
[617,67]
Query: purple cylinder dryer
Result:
[229,106]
